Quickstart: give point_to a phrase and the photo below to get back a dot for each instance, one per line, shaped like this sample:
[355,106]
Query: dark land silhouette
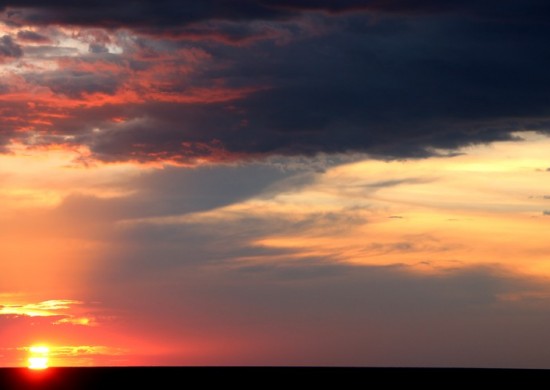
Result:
[60,378]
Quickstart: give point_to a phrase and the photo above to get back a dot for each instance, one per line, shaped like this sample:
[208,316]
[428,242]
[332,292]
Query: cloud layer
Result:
[188,82]
[431,262]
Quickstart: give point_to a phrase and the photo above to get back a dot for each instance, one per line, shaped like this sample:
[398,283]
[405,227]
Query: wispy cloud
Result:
[62,311]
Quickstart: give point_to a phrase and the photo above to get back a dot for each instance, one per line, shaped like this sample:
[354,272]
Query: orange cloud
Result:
[62,310]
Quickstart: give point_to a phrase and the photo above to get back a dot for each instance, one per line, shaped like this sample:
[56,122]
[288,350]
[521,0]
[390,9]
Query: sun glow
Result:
[38,359]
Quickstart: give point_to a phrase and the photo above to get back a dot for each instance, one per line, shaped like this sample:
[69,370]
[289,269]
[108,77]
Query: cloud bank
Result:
[187,82]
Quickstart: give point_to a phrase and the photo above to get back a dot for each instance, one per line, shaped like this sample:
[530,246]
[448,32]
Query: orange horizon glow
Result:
[361,214]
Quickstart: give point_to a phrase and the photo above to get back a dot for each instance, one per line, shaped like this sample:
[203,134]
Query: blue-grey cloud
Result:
[74,84]
[8,48]
[32,36]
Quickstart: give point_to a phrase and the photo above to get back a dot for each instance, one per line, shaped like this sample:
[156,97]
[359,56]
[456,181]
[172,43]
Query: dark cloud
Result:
[170,13]
[31,36]
[363,87]
[160,13]
[400,80]
[74,84]
[9,49]
[98,48]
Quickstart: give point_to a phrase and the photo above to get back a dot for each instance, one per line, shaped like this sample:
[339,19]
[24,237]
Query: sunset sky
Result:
[275,182]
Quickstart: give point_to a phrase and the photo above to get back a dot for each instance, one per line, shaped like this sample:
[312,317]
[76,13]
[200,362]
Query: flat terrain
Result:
[257,377]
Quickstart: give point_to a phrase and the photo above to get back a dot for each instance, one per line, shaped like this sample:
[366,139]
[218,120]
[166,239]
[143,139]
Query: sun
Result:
[38,359]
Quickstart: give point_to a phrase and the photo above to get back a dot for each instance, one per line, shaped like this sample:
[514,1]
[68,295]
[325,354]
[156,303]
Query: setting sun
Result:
[38,359]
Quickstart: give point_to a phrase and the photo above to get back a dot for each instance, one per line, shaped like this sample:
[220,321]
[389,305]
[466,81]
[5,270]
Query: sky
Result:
[275,182]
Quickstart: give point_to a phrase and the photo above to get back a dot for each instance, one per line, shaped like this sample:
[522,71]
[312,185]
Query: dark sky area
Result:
[390,78]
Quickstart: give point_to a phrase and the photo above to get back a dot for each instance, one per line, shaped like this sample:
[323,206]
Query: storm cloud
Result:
[223,81]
